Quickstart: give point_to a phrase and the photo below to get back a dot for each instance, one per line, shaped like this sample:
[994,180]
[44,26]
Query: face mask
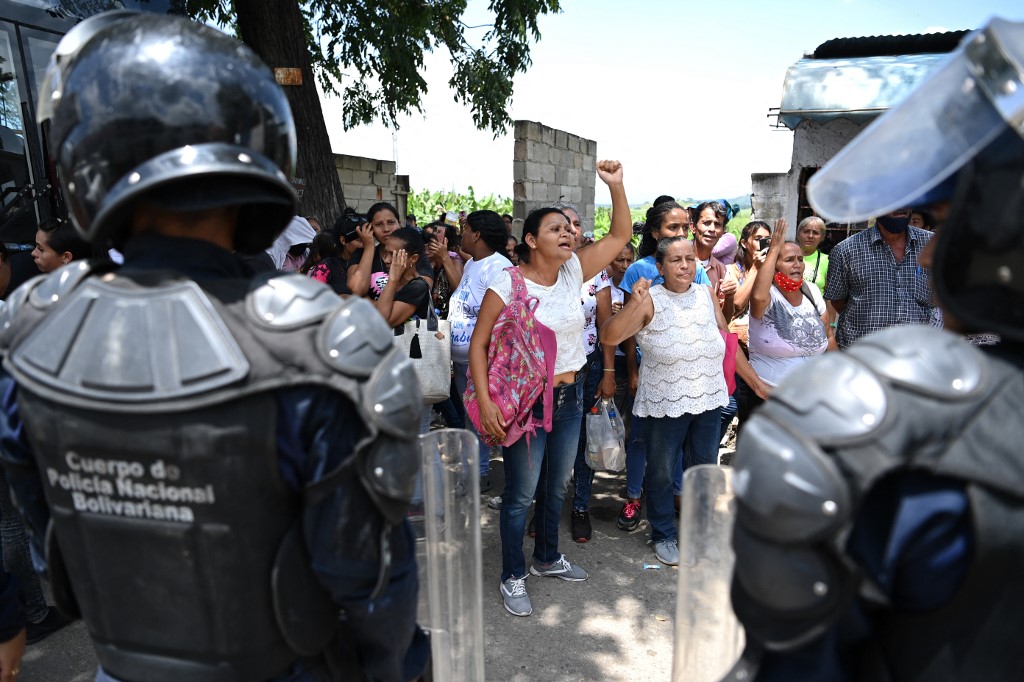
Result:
[786,283]
[892,224]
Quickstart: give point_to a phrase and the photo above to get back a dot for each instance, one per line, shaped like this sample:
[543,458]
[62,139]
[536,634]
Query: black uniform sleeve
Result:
[345,531]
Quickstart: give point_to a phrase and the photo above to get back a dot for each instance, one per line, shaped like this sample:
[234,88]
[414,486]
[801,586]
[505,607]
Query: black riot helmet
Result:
[166,110]
[958,137]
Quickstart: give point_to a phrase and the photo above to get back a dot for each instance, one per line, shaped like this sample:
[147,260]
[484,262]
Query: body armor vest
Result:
[904,399]
[149,403]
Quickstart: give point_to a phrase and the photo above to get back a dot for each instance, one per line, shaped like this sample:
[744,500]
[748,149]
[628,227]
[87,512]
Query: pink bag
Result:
[520,368]
[732,343]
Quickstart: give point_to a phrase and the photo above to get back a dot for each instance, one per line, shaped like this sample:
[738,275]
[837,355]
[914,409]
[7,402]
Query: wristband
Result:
[609,370]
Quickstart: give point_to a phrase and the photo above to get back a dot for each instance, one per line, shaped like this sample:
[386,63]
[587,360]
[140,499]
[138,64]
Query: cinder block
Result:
[345,176]
[572,142]
[565,192]
[369,164]
[560,138]
[535,132]
[591,148]
[536,151]
[518,192]
[519,131]
[561,176]
[534,172]
[588,196]
[547,136]
[572,177]
[389,167]
[555,156]
[547,174]
[577,162]
[590,162]
[518,170]
[361,177]
[519,150]
[577,195]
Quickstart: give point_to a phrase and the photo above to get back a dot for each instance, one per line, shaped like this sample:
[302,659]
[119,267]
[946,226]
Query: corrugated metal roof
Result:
[890,46]
[859,78]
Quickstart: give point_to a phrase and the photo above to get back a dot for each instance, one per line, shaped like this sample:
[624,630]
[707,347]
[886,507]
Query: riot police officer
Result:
[879,527]
[218,466]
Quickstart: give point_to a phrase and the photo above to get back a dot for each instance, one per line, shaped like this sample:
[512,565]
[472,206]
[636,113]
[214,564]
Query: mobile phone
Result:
[763,243]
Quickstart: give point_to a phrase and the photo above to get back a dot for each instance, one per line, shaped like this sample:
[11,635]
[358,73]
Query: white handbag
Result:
[428,343]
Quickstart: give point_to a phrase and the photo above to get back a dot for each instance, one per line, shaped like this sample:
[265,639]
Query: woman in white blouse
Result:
[554,274]
[681,388]
[787,318]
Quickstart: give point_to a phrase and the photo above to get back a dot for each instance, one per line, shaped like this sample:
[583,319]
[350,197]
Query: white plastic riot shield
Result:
[449,554]
[709,639]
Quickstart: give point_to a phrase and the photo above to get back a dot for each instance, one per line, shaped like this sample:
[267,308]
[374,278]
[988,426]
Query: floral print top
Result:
[588,298]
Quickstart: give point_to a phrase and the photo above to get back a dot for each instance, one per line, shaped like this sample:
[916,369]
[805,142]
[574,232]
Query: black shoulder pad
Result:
[355,338]
[113,342]
[290,301]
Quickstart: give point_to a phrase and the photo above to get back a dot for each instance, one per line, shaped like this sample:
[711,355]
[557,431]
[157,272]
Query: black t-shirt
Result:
[379,272]
[332,272]
[416,293]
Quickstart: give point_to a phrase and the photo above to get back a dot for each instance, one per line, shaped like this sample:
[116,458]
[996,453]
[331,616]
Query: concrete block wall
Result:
[366,181]
[769,198]
[551,165]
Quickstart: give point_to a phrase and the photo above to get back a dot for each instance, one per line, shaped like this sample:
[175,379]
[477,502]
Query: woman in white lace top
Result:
[682,387]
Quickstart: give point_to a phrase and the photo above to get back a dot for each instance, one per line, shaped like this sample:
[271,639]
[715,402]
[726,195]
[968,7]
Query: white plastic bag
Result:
[606,448]
[598,425]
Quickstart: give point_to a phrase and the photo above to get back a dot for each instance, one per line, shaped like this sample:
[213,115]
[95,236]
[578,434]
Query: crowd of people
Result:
[649,332]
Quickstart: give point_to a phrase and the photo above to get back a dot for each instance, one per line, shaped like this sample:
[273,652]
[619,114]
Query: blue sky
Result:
[679,92]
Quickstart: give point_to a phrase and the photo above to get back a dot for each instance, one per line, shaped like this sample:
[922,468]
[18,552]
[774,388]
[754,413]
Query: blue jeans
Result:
[452,411]
[728,412]
[540,468]
[698,436]
[461,370]
[583,475]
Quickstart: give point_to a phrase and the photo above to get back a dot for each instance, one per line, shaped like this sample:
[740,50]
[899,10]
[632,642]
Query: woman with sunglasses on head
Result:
[554,273]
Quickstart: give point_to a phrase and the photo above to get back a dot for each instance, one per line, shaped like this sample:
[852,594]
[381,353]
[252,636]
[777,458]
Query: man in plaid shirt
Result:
[874,280]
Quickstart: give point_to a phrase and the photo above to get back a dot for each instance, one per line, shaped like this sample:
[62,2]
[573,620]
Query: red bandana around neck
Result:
[787,284]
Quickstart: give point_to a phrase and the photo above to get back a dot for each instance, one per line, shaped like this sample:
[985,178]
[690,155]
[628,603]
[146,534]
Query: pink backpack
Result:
[520,368]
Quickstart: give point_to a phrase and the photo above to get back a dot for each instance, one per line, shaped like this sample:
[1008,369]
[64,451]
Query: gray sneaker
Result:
[561,568]
[494,502]
[667,552]
[513,594]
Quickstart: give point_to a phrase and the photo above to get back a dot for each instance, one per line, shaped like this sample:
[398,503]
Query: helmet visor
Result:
[912,148]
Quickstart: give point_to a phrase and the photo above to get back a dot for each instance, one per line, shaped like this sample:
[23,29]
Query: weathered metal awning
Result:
[857,88]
